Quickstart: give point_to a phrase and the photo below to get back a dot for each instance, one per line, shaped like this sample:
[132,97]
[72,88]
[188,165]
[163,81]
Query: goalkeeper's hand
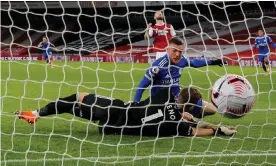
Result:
[218,62]
[223,130]
[190,119]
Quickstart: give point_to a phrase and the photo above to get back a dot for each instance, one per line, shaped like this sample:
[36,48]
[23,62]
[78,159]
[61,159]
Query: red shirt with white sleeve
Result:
[161,34]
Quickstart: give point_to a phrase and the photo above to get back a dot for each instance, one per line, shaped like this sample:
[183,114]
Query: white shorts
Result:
[159,54]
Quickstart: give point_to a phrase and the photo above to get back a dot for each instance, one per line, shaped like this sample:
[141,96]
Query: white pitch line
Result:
[93,82]
[108,82]
[91,159]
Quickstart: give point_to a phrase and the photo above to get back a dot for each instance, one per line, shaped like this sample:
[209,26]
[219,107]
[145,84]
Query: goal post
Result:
[99,47]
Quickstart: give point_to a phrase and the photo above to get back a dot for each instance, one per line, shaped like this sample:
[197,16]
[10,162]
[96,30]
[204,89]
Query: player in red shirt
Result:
[161,33]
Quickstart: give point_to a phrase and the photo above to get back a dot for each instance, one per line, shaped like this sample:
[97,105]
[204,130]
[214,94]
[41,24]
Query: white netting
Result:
[89,32]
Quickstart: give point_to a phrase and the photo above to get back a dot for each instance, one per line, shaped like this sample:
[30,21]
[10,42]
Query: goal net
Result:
[99,47]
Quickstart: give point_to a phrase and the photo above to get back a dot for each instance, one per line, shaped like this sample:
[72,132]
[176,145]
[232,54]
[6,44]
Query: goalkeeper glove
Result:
[218,62]
[223,130]
[190,119]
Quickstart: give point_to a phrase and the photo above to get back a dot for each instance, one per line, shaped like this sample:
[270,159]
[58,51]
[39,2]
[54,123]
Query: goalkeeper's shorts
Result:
[95,107]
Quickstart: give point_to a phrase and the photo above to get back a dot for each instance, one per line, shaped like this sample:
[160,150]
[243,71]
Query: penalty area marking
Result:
[91,159]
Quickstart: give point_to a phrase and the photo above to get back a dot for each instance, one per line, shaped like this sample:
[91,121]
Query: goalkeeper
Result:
[159,115]
[166,71]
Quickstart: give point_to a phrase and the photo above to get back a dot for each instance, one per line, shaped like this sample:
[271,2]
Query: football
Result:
[233,95]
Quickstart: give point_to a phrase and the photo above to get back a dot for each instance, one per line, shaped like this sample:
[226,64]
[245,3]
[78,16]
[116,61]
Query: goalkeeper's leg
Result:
[83,105]
[70,104]
[62,105]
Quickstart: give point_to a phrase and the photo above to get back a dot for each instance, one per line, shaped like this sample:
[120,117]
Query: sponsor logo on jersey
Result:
[161,32]
[170,81]
[262,44]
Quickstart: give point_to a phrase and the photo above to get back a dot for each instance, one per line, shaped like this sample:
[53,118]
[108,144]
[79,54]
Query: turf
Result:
[66,140]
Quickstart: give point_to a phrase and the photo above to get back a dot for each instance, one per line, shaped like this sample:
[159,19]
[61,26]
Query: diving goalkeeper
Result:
[166,71]
[159,115]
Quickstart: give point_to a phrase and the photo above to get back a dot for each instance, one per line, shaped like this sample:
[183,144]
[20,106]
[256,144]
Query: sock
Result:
[267,66]
[263,65]
[36,113]
[60,106]
[47,60]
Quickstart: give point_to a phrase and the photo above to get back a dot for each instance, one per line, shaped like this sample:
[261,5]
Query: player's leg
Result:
[62,105]
[84,105]
[51,62]
[266,63]
[261,59]
[45,57]
[93,107]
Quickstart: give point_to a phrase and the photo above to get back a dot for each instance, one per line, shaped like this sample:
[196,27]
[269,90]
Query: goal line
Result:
[160,156]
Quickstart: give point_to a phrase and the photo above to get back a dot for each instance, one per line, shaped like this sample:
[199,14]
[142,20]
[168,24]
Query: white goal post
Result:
[99,47]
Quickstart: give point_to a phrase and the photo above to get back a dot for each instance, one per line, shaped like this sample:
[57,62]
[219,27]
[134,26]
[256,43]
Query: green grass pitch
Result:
[67,140]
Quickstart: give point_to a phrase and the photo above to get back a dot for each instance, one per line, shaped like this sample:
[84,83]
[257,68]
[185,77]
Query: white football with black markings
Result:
[233,95]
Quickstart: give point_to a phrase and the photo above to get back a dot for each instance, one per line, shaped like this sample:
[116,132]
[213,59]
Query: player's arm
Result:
[186,129]
[223,130]
[150,75]
[149,32]
[202,128]
[172,31]
[255,45]
[199,110]
[39,45]
[271,42]
[52,45]
[202,62]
